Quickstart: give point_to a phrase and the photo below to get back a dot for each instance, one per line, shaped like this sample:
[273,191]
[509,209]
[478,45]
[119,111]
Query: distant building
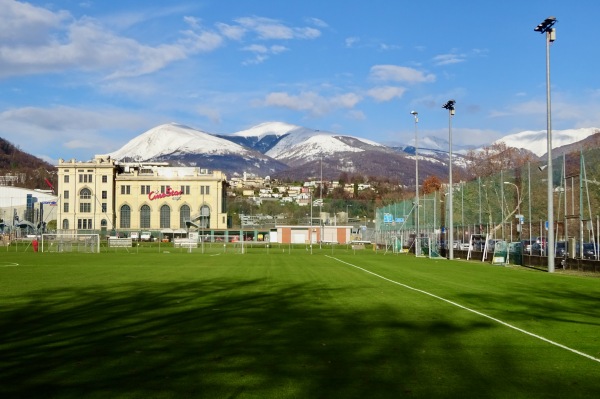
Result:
[26,209]
[106,195]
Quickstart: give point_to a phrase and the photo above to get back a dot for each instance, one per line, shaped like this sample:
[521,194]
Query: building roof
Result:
[17,196]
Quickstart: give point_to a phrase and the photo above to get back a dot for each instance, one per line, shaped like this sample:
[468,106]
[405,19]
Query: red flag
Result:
[49,185]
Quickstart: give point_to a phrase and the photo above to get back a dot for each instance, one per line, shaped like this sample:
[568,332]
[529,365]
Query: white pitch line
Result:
[473,311]
[8,264]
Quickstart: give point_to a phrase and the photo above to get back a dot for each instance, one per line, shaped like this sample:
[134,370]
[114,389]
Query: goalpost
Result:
[71,242]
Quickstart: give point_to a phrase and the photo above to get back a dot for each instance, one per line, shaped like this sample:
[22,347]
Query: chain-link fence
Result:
[510,205]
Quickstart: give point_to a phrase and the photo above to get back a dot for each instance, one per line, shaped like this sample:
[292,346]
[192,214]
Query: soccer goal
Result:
[65,242]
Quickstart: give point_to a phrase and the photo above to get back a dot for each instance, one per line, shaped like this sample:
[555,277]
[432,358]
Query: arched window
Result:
[125,219]
[165,217]
[145,217]
[103,223]
[184,215]
[85,194]
[65,224]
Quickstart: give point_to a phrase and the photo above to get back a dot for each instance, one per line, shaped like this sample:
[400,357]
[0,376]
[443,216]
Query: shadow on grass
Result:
[224,338]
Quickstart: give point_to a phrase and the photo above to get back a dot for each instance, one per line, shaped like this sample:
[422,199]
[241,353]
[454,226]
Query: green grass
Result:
[289,324]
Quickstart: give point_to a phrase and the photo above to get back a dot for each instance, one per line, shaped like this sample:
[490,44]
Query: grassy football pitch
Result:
[333,324]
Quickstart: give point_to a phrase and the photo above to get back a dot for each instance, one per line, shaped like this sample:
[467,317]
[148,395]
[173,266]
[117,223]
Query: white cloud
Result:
[312,102]
[232,32]
[400,74]
[317,22]
[447,59]
[262,52]
[386,93]
[26,24]
[351,41]
[60,128]
[271,29]
[523,108]
[356,115]
[213,114]
[44,42]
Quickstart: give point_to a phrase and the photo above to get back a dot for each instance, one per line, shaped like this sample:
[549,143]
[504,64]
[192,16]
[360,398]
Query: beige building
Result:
[106,195]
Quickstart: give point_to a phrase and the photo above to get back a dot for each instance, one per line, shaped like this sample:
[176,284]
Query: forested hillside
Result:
[30,171]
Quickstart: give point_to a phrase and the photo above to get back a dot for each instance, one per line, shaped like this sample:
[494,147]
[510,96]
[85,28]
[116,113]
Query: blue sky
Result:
[79,78]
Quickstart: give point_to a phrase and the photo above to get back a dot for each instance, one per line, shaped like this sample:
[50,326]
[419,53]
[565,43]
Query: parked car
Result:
[527,245]
[146,236]
[589,250]
[537,249]
[561,249]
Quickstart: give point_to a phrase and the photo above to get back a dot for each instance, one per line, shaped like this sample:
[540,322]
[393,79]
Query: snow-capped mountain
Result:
[306,150]
[174,139]
[183,145]
[284,150]
[536,141]
[293,144]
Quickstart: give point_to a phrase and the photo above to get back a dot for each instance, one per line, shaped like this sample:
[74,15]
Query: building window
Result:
[185,190]
[201,190]
[85,194]
[66,194]
[125,217]
[165,217]
[104,179]
[104,194]
[85,178]
[207,190]
[184,215]
[66,179]
[146,189]
[65,224]
[125,189]
[85,207]
[84,224]
[145,217]
[66,207]
[104,207]
[163,189]
[103,223]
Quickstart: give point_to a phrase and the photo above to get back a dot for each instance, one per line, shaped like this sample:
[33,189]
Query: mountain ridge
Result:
[284,150]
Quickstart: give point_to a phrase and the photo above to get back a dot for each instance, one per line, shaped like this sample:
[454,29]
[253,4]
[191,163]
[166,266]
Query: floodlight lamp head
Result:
[542,167]
[450,106]
[545,25]
[414,112]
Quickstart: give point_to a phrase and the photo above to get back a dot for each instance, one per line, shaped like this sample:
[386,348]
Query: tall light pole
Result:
[546,27]
[417,241]
[518,209]
[450,107]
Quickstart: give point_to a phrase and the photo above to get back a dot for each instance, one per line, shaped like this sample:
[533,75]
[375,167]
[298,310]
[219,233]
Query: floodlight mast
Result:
[450,107]
[546,27]
[417,235]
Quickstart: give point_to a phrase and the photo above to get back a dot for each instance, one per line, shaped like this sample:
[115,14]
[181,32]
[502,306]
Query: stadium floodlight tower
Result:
[417,235]
[450,241]
[546,27]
